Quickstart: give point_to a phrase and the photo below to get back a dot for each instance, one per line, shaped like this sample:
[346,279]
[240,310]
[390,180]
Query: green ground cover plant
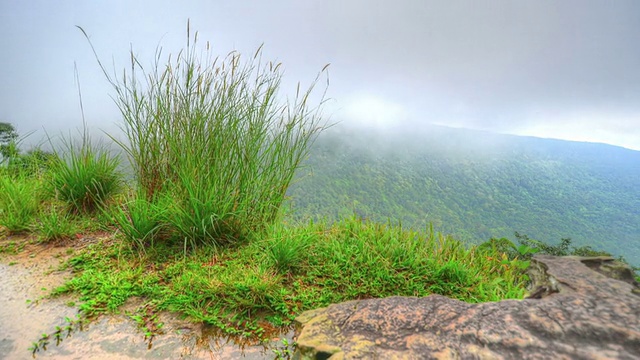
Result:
[251,289]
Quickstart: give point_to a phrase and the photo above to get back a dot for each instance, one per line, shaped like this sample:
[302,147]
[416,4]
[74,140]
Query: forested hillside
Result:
[477,185]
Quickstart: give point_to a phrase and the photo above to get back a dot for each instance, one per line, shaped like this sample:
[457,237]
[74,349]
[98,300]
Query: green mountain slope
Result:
[477,185]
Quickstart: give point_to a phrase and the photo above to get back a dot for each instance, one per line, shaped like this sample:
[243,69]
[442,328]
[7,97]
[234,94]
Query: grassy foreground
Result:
[258,288]
[255,286]
[262,285]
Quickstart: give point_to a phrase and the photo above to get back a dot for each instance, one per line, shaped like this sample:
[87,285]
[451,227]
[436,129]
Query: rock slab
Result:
[578,308]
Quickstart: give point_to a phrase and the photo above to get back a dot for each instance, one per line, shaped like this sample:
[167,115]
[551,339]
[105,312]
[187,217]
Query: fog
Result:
[564,70]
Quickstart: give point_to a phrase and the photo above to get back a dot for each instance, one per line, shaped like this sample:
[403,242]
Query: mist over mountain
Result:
[476,185]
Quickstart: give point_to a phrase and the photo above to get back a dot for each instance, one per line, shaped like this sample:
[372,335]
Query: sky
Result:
[558,69]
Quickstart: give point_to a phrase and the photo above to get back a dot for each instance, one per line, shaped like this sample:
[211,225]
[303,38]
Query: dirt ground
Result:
[25,314]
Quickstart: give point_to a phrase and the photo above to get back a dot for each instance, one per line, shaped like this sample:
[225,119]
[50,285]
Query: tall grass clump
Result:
[85,176]
[216,135]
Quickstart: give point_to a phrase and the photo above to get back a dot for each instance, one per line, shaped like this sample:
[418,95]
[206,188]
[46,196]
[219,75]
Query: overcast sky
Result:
[560,69]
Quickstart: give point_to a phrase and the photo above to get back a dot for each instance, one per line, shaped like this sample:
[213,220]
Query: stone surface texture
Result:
[578,308]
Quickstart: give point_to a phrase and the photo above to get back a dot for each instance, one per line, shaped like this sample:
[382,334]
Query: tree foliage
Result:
[8,138]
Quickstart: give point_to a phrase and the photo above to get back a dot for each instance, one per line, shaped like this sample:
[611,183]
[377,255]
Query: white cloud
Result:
[374,111]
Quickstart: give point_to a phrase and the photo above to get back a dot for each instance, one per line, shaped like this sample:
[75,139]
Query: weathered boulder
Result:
[579,308]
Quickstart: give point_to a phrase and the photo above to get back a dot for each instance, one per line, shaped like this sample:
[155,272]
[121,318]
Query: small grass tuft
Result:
[56,224]
[140,221]
[19,203]
[85,176]
[287,248]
